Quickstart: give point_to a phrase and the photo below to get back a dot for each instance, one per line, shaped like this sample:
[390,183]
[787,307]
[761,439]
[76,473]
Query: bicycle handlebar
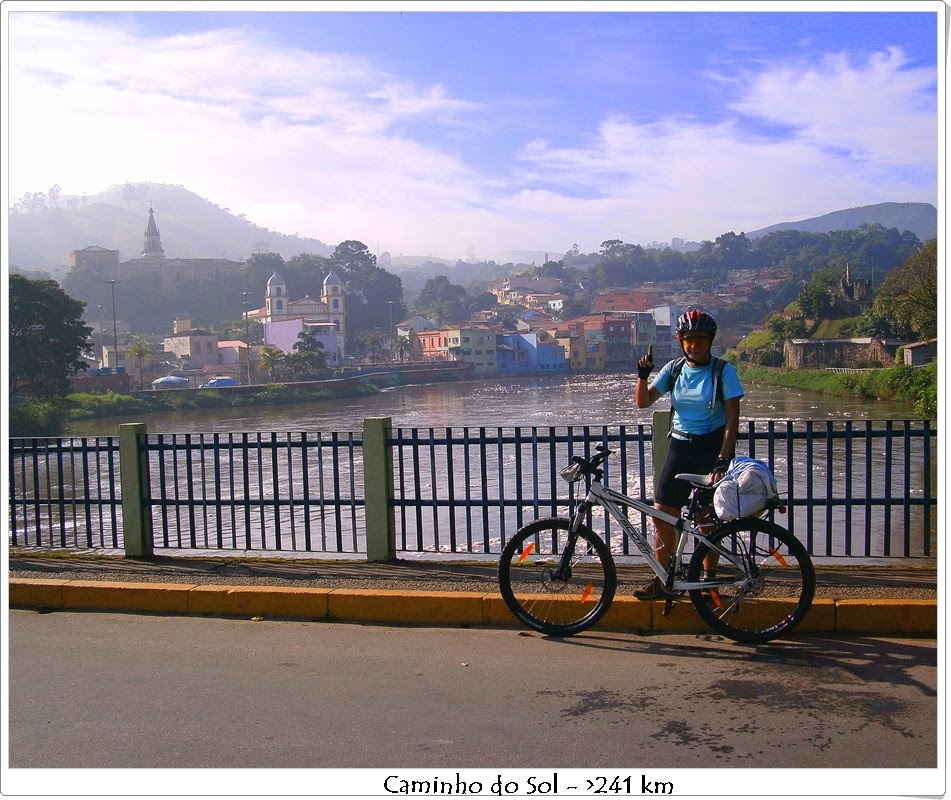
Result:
[592,467]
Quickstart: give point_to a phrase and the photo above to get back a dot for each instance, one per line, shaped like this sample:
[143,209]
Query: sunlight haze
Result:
[452,132]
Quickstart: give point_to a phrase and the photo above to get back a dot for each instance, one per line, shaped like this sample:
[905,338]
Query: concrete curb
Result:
[861,617]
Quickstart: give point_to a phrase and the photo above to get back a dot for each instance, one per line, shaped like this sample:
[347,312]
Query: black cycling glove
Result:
[722,465]
[644,372]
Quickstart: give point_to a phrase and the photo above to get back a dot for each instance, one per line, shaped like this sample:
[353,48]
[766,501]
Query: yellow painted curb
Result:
[821,617]
[289,602]
[628,614]
[169,598]
[887,617]
[871,617]
[393,605]
[36,593]
[495,612]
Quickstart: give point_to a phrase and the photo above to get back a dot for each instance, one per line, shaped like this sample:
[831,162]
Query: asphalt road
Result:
[123,690]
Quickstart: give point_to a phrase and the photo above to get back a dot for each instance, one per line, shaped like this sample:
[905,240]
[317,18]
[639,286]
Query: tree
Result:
[47,338]
[374,296]
[402,347]
[257,269]
[141,352]
[814,300]
[443,301]
[908,297]
[574,307]
[308,359]
[271,361]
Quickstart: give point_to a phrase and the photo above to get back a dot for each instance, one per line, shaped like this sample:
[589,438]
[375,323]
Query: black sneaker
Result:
[652,590]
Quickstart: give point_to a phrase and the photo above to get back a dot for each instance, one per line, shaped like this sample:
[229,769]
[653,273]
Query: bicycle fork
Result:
[563,572]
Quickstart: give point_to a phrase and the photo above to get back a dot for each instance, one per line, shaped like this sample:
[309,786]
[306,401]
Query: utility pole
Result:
[389,332]
[115,334]
[102,336]
[247,334]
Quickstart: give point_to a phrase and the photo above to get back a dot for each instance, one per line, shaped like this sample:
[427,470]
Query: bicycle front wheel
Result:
[773,580]
[552,591]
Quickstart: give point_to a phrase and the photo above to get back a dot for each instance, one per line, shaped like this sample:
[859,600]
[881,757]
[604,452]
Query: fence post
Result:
[134,476]
[378,489]
[660,427]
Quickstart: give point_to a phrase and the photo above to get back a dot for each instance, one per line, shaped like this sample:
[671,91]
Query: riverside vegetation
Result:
[46,417]
[917,385]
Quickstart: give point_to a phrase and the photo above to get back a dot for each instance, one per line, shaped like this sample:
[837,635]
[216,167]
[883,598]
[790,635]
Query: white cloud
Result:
[326,144]
[297,141]
[881,110]
[859,135]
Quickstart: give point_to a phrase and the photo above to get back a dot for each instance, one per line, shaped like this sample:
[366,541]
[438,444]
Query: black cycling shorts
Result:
[699,455]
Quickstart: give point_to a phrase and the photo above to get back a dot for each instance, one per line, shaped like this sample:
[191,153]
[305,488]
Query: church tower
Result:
[334,298]
[153,241]
[275,298]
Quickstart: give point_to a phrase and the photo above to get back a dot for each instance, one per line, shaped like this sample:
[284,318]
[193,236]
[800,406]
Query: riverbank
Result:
[917,385]
[42,417]
[905,385]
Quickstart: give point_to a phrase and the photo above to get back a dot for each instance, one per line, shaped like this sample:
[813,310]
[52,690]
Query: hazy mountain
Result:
[919,218]
[191,227]
[44,230]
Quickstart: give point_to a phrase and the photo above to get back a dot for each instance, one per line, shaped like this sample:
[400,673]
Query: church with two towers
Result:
[325,317]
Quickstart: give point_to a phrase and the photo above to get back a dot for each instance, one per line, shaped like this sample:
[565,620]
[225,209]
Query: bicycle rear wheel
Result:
[536,589]
[780,589]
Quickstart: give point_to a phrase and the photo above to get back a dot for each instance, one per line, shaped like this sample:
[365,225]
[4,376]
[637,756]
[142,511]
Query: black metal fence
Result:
[854,489]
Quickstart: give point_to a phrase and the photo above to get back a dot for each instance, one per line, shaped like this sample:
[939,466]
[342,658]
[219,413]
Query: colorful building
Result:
[474,345]
[520,353]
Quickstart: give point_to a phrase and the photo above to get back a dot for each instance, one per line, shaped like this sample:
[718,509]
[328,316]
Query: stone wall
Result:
[821,353]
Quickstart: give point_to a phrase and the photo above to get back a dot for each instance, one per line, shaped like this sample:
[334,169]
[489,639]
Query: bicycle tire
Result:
[784,582]
[560,606]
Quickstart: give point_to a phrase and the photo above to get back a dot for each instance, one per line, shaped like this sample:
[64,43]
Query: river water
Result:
[596,400]
[583,399]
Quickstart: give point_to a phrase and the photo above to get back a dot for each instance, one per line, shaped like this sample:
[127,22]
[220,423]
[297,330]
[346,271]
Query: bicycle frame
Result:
[615,504]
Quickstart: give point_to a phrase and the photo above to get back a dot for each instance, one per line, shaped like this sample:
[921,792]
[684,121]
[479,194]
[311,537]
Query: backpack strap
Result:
[718,365]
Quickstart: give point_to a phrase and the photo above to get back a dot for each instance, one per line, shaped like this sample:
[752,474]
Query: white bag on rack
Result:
[746,490]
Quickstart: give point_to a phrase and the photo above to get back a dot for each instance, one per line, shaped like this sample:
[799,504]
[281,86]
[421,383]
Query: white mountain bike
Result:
[559,577]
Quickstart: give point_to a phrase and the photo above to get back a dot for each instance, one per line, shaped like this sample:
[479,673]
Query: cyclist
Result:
[703,428]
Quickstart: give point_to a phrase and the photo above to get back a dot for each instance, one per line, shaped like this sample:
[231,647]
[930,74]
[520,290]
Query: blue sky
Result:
[449,131]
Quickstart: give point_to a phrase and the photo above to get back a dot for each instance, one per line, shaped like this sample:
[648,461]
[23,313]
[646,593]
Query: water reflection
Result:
[597,399]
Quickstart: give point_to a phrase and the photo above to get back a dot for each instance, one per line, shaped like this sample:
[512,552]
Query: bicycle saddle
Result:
[703,481]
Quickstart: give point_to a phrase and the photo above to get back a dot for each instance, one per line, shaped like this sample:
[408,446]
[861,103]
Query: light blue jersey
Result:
[693,393]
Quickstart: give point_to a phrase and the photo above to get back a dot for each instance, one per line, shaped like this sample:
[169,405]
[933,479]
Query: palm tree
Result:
[141,352]
[271,359]
[402,347]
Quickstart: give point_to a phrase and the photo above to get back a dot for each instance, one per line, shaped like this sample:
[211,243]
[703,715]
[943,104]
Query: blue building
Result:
[529,353]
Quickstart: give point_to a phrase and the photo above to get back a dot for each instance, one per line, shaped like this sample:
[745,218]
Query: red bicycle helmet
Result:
[697,320]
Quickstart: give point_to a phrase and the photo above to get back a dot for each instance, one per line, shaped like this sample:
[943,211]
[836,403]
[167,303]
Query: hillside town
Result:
[536,337]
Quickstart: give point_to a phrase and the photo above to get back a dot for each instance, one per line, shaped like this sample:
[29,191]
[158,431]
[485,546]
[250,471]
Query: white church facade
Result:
[284,319]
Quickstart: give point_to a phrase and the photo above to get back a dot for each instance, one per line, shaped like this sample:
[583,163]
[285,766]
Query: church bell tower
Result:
[153,241]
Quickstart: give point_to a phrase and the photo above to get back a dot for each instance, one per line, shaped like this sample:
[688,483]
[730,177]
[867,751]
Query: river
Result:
[581,399]
[595,400]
